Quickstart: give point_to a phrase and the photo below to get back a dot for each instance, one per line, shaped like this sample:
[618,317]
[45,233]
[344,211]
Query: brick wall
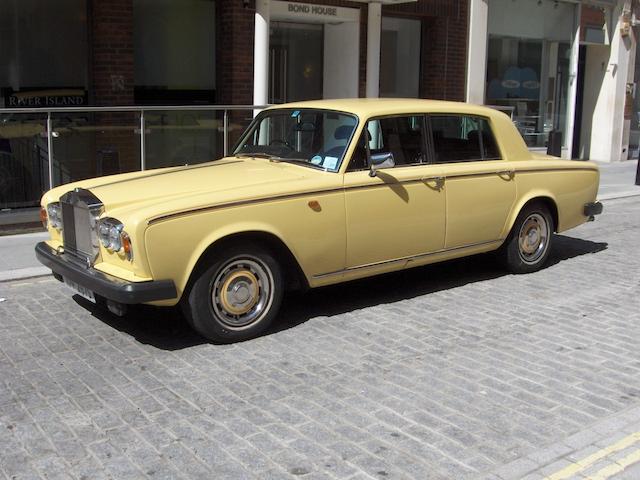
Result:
[115,142]
[234,52]
[111,59]
[444,45]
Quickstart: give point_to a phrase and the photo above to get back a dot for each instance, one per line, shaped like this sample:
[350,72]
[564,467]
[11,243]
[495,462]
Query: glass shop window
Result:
[400,44]
[174,52]
[44,53]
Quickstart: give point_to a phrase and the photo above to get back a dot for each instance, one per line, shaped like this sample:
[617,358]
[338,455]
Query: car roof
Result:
[372,107]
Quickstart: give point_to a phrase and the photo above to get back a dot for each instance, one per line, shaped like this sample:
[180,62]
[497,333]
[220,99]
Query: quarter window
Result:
[462,138]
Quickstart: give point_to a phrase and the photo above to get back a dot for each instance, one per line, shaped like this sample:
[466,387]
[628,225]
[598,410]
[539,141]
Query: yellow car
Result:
[315,193]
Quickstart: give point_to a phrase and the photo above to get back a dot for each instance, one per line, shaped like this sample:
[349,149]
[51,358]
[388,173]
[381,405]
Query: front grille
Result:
[80,209]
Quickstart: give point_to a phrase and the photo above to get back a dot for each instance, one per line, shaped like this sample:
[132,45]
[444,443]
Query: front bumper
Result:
[593,208]
[107,286]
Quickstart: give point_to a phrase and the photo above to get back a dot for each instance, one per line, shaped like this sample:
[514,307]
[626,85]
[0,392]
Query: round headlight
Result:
[54,212]
[109,230]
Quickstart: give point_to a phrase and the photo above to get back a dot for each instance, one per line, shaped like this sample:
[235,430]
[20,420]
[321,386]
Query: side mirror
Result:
[380,160]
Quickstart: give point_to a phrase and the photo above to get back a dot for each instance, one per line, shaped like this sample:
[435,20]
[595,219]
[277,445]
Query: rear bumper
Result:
[592,208]
[107,286]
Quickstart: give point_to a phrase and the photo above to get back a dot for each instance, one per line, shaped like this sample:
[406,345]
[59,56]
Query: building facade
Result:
[554,65]
[88,53]
[559,66]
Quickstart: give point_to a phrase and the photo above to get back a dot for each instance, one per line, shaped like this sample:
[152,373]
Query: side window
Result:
[490,149]
[399,140]
[462,138]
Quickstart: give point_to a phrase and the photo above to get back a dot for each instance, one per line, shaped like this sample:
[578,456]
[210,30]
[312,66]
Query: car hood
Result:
[165,189]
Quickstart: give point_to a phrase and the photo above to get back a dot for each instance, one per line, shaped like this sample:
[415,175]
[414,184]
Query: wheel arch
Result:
[539,197]
[293,273]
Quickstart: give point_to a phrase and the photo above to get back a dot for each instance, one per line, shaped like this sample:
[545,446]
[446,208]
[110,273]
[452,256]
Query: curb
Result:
[545,461]
[617,196]
[24,273]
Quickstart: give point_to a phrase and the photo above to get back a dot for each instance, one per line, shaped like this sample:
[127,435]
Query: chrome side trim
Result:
[543,170]
[406,259]
[240,203]
[350,188]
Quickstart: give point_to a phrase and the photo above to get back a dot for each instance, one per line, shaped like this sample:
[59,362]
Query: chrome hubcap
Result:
[533,238]
[242,292]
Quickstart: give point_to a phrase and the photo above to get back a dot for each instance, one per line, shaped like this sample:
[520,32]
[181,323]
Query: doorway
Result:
[577,149]
[295,62]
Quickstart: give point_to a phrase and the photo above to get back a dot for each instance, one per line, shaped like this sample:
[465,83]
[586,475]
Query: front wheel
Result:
[237,296]
[529,243]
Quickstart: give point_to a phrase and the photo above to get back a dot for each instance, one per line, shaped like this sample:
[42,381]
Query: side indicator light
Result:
[126,245]
[43,217]
[315,206]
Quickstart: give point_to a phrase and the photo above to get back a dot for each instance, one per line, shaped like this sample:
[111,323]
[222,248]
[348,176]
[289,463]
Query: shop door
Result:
[295,62]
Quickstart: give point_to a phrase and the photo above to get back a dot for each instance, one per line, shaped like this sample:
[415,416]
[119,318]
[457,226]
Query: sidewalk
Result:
[617,180]
[17,260]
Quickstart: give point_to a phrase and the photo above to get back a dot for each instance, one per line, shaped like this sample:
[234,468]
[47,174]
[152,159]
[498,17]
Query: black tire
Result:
[237,296]
[527,247]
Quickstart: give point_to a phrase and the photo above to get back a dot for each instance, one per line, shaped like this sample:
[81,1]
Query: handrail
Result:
[130,108]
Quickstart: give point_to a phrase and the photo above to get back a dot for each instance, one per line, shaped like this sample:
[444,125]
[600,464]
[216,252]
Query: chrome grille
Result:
[80,209]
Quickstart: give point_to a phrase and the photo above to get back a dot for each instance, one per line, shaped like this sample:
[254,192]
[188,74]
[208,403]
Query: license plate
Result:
[80,290]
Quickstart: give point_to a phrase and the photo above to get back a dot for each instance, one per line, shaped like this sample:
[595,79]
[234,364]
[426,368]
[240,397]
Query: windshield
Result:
[313,138]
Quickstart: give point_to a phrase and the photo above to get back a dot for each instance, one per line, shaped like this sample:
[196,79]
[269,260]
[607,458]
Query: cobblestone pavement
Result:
[449,371]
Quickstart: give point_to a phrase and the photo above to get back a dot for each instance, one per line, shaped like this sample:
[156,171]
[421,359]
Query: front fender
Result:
[175,246]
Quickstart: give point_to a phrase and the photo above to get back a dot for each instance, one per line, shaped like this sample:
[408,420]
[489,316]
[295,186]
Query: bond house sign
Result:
[313,9]
[312,13]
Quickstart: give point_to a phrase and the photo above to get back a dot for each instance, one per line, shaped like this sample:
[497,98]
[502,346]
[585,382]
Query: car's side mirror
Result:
[380,160]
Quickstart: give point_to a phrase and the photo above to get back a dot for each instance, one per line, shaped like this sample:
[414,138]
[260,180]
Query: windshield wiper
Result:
[257,155]
[300,161]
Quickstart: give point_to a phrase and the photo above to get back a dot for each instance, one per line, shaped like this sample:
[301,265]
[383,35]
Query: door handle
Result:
[439,181]
[507,173]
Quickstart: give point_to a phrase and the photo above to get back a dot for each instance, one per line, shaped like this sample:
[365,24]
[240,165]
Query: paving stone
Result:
[455,370]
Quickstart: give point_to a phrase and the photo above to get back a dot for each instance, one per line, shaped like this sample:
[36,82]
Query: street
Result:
[451,371]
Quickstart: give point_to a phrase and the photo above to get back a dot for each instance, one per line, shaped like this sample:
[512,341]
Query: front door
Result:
[295,62]
[399,213]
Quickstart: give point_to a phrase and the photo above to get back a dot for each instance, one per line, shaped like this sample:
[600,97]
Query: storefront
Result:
[557,66]
[313,51]
[528,58]
[310,51]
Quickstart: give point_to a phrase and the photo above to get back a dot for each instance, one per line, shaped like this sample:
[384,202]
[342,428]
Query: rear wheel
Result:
[528,245]
[237,296]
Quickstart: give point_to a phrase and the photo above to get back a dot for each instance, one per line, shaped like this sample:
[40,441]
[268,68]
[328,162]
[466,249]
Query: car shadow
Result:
[166,329]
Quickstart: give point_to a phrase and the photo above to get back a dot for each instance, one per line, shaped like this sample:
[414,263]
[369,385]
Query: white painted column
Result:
[374,27]
[608,118]
[573,85]
[261,54]
[477,51]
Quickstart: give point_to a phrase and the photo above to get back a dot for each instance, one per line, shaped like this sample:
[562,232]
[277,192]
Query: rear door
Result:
[480,187]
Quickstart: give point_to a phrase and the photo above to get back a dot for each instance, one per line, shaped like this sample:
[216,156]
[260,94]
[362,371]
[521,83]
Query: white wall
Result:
[607,138]
[527,19]
[596,61]
[341,52]
[477,51]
